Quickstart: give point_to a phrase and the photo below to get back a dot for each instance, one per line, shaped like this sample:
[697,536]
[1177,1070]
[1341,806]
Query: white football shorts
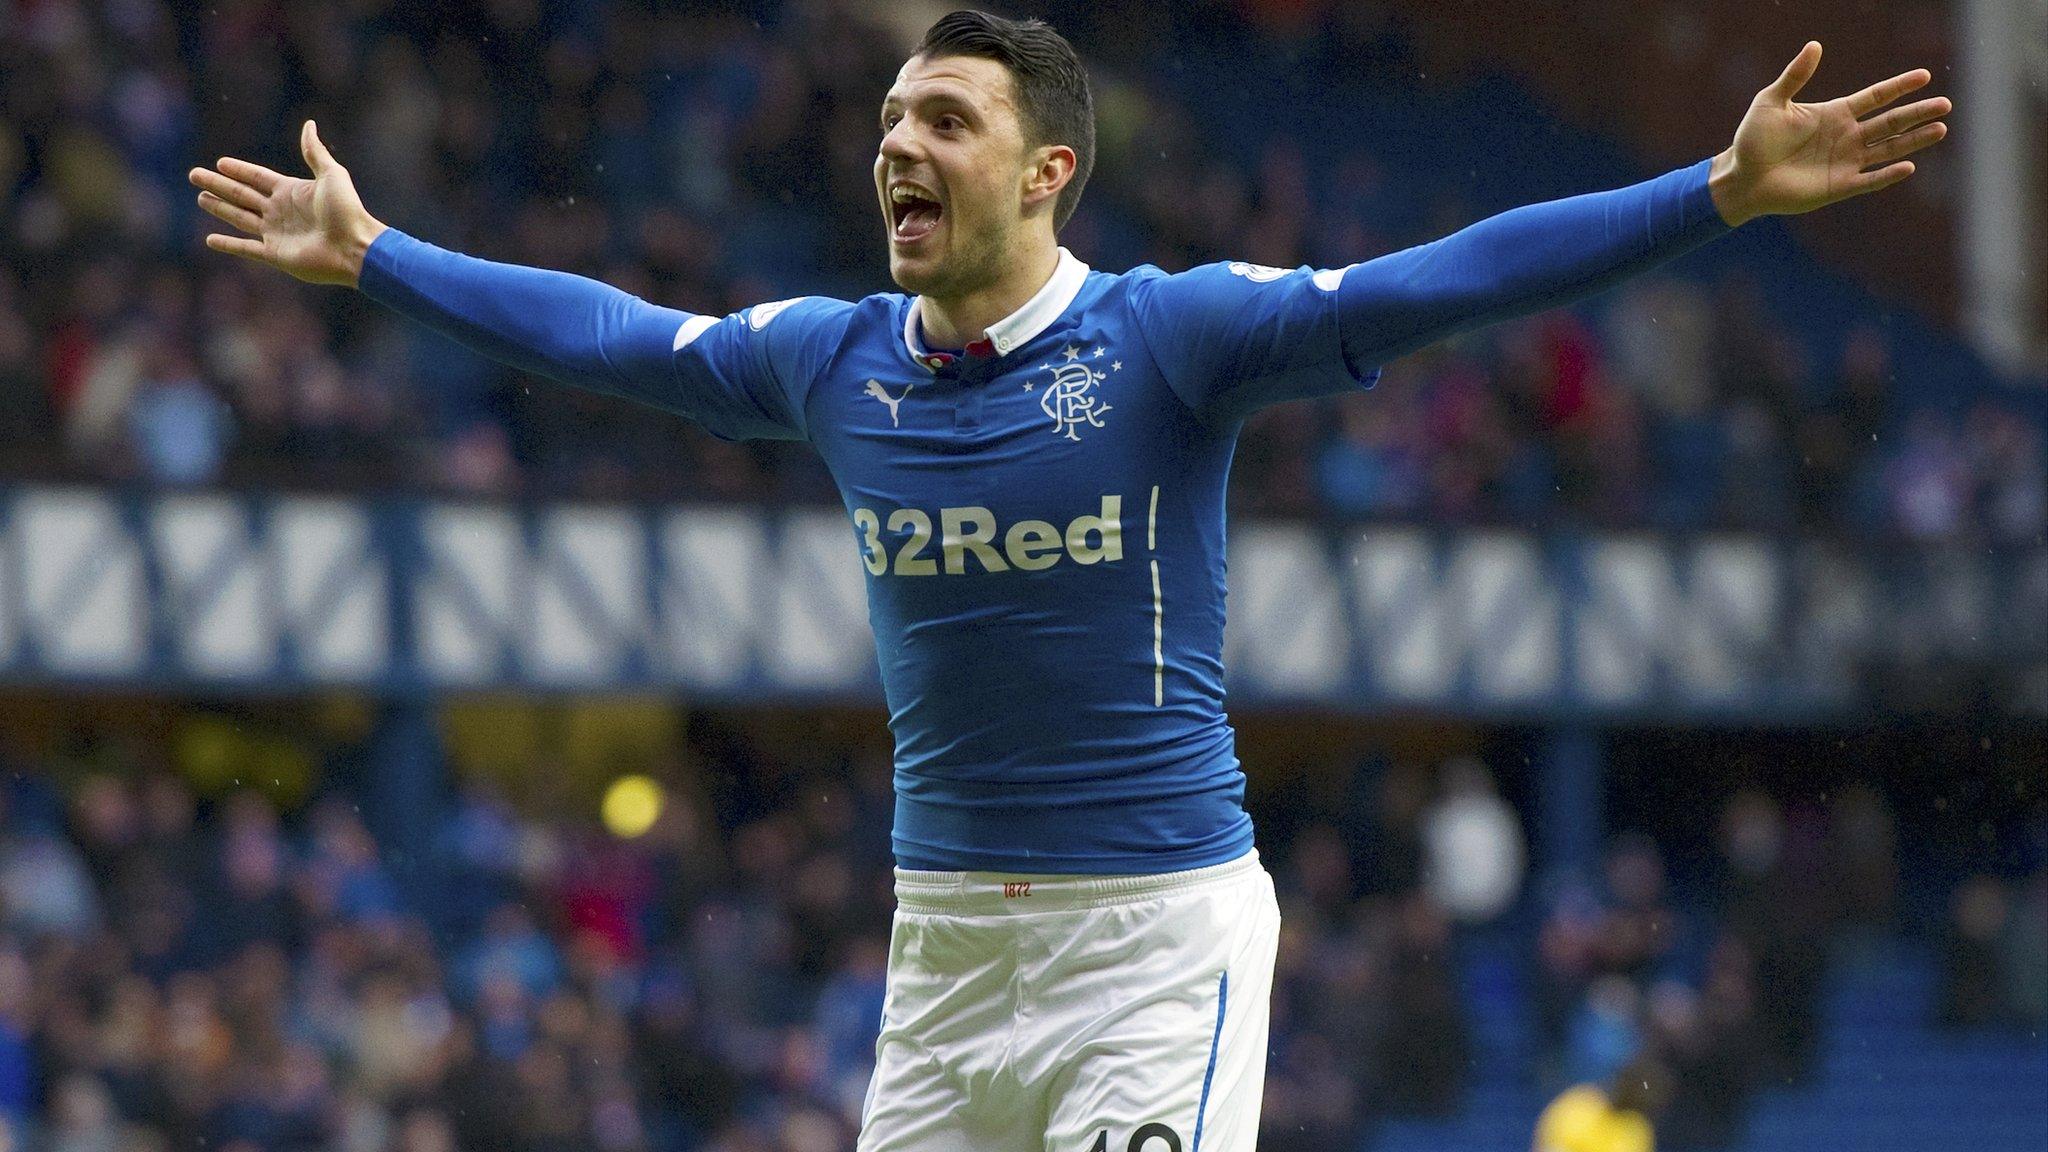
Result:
[1075,1013]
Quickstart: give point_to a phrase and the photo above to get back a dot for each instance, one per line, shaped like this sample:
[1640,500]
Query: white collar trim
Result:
[1019,327]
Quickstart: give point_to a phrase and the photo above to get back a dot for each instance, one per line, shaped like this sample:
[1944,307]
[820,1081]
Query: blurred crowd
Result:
[709,162]
[1705,1006]
[178,974]
[1691,1002]
[1689,999]
[186,968]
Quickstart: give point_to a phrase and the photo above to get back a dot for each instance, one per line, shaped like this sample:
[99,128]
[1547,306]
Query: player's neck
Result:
[956,322]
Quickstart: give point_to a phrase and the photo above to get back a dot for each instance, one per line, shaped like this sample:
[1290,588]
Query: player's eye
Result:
[951,123]
[890,119]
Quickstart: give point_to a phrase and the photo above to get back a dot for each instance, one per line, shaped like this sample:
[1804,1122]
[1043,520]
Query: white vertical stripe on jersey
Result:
[1158,642]
[1158,606]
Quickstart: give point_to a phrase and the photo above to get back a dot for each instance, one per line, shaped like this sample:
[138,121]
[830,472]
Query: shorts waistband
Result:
[1019,892]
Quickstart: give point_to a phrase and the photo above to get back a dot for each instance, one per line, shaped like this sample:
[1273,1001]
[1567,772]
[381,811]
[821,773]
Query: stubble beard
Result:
[969,268]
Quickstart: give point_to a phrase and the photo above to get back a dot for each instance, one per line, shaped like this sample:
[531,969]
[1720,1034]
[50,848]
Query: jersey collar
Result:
[1014,330]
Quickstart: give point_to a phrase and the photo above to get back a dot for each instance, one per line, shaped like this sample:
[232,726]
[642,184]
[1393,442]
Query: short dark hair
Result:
[1052,89]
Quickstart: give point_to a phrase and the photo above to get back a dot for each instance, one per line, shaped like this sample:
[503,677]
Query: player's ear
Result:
[1048,169]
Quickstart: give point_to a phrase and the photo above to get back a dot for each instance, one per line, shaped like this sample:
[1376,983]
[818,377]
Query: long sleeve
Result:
[1521,261]
[744,376]
[567,328]
[1232,337]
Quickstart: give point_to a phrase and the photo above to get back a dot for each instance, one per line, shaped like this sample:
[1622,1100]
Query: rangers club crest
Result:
[1071,400]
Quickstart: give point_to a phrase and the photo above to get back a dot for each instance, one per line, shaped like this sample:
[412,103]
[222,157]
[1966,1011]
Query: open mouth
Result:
[913,213]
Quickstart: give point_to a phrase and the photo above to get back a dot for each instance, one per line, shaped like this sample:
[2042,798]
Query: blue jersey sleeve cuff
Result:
[1701,214]
[380,264]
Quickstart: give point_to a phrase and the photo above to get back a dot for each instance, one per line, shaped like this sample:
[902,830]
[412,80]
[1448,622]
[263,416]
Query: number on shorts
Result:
[1142,1140]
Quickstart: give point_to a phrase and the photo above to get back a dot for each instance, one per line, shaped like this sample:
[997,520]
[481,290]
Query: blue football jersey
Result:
[1041,521]
[1042,530]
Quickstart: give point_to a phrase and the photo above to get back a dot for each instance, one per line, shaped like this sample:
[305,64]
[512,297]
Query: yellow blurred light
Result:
[631,806]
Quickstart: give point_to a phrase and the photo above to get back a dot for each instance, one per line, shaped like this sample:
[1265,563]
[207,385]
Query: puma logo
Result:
[876,390]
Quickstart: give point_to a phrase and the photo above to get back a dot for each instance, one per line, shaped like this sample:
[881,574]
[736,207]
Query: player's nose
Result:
[900,142]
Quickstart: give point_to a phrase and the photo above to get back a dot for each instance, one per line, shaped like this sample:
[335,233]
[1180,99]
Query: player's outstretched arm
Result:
[1790,157]
[1787,157]
[568,328]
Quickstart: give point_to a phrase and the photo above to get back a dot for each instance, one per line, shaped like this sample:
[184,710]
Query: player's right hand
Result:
[317,230]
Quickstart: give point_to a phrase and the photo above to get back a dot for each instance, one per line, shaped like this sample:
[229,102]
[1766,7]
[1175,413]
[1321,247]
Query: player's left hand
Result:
[1790,157]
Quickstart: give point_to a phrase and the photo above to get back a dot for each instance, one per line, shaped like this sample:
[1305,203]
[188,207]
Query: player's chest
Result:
[1075,414]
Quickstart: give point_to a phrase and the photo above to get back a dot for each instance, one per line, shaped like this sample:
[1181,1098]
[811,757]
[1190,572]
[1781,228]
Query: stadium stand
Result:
[1752,402]
[195,961]
[221,966]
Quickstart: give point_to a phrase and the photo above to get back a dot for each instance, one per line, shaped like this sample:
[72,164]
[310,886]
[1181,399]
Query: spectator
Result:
[1605,1034]
[511,949]
[1587,1118]
[2011,466]
[2023,956]
[1928,480]
[1779,908]
[82,1117]
[44,887]
[1475,849]
[1973,985]
[17,1058]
